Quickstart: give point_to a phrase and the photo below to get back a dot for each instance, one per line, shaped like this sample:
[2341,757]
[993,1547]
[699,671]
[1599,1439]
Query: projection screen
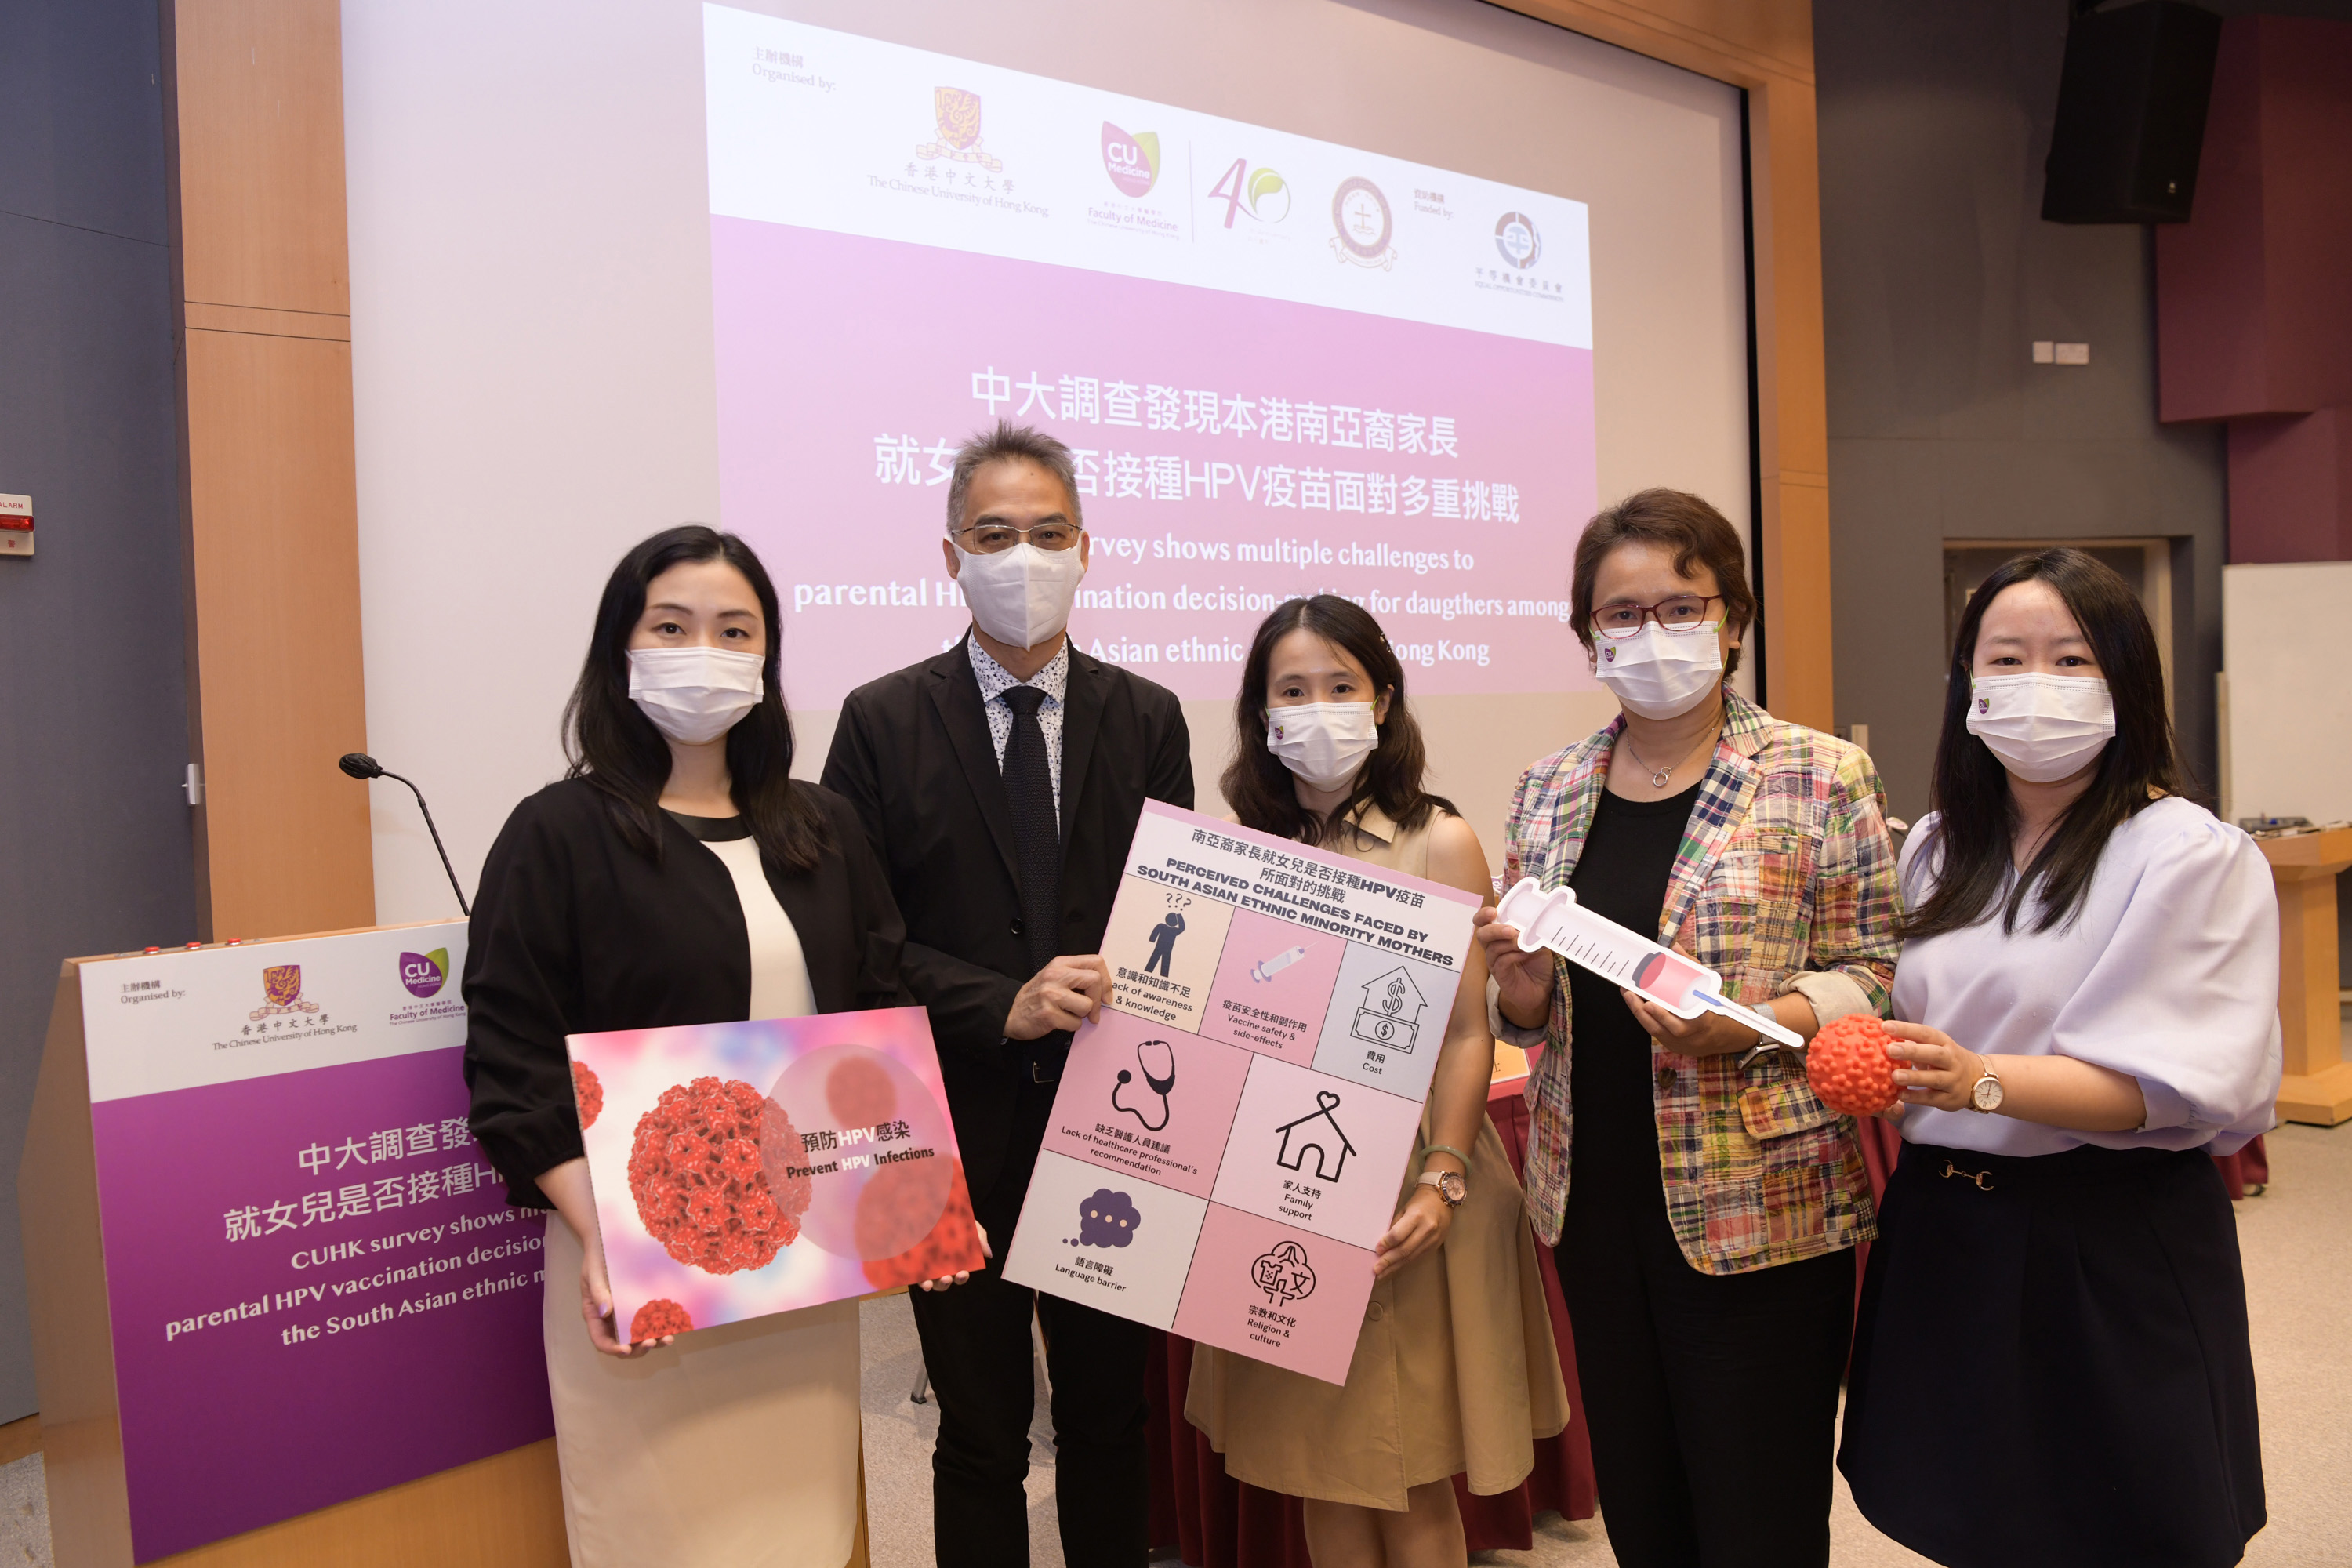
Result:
[1380,300]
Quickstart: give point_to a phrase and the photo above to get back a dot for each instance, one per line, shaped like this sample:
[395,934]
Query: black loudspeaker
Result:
[2131,114]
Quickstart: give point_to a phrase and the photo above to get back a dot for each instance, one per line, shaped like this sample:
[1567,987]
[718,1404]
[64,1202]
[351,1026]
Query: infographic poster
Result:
[1230,1134]
[316,1287]
[744,1169]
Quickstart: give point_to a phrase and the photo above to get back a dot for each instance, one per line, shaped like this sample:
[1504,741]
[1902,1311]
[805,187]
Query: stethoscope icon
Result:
[1161,1082]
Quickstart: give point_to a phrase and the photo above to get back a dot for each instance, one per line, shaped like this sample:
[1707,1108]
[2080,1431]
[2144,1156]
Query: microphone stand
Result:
[359,766]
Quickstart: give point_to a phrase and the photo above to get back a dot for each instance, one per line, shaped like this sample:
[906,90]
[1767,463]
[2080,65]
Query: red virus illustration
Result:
[860,1093]
[901,1203]
[658,1316]
[588,1092]
[695,1172]
[1849,1067]
[953,1243]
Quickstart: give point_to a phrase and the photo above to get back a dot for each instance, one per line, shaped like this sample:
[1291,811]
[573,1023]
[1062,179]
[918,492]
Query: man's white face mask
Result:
[1022,595]
[694,695]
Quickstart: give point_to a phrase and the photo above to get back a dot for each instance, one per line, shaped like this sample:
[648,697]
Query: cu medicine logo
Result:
[424,973]
[1131,162]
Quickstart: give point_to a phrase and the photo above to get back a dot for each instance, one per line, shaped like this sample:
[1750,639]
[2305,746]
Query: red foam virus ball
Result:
[696,1174]
[589,1092]
[658,1316]
[1849,1067]
[953,1243]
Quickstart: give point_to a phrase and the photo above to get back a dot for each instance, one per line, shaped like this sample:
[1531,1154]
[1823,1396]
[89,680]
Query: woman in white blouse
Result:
[2051,1364]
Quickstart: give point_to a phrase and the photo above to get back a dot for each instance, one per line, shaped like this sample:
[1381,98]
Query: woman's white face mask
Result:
[2043,728]
[1660,674]
[1022,595]
[694,695]
[1323,742]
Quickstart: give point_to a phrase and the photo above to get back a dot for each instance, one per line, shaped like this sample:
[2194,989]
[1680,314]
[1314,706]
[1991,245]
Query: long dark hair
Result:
[1976,817]
[1259,789]
[615,747]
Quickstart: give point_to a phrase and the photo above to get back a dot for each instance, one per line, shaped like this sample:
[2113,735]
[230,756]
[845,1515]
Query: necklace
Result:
[1658,776]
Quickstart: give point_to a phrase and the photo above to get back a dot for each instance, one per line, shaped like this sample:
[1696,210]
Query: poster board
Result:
[1230,1132]
[743,1169]
[283,1314]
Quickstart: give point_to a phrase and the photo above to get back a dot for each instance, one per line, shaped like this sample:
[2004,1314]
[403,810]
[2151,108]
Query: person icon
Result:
[1163,943]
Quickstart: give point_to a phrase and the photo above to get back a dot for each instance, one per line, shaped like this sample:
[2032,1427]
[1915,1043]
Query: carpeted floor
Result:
[2297,1247]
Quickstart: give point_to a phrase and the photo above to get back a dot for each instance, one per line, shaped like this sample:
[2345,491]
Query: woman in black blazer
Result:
[678,875]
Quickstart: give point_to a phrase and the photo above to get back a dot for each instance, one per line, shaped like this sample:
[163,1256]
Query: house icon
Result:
[1390,1016]
[1317,1131]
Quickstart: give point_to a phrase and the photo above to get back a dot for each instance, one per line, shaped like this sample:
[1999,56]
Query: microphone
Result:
[359,766]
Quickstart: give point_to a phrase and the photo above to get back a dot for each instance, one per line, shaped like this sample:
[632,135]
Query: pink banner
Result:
[1232,452]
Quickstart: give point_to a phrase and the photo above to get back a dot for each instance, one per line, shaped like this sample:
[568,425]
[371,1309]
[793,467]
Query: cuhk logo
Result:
[1131,162]
[424,973]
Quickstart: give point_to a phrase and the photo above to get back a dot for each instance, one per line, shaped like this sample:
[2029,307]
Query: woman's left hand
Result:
[1709,1035]
[1942,1074]
[1421,1224]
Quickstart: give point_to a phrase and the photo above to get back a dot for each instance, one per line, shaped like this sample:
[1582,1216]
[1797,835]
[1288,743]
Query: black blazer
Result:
[912,753]
[574,932]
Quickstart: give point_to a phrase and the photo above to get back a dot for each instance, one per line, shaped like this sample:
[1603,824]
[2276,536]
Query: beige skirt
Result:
[1456,1371]
[736,1447]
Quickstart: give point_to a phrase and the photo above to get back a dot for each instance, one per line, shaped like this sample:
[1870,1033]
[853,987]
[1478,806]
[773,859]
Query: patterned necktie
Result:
[1036,831]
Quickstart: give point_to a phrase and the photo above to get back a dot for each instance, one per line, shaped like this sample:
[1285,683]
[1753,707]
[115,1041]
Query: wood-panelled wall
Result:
[1767,47]
[254,115]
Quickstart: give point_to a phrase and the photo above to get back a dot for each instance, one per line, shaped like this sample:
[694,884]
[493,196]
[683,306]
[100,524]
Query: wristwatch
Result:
[1452,1187]
[1985,1093]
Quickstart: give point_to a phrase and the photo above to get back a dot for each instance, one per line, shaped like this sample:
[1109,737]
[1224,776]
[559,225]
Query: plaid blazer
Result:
[1785,882]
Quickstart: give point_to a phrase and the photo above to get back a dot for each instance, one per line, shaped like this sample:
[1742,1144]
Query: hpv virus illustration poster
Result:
[744,1169]
[1232,1132]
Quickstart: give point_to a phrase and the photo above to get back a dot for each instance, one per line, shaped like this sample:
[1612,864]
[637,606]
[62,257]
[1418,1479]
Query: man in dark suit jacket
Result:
[999,783]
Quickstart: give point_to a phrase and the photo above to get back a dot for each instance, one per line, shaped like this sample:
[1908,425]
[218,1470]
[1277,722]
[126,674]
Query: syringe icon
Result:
[1658,974]
[1267,968]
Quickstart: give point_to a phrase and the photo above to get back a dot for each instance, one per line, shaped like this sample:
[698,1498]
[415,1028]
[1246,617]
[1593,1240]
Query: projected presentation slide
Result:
[1285,367]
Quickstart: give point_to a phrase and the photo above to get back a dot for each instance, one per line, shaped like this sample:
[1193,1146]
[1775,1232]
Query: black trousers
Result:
[976,1347]
[1712,1398]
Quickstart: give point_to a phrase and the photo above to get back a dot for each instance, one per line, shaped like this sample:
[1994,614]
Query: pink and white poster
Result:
[1284,367]
[745,1169]
[1229,1135]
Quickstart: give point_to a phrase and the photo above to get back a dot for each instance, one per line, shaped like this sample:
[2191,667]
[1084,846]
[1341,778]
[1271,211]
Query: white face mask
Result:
[1660,674]
[1022,595]
[694,695]
[1322,742]
[2043,728]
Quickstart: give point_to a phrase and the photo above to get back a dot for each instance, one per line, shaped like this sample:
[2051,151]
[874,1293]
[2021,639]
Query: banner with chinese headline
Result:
[1230,1134]
[316,1287]
[744,1169]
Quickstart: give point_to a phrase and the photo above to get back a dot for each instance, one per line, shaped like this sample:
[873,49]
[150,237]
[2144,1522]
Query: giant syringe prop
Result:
[1657,974]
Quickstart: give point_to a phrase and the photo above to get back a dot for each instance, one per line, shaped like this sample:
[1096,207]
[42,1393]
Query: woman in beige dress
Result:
[1456,1371]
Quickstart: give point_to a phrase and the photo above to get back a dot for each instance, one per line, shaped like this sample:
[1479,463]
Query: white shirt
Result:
[2169,973]
[780,977]
[1054,680]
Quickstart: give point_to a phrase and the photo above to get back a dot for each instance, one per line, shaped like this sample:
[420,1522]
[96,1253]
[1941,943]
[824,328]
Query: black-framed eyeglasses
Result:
[991,538]
[1682,613]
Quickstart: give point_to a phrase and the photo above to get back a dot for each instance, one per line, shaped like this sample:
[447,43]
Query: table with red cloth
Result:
[1215,1521]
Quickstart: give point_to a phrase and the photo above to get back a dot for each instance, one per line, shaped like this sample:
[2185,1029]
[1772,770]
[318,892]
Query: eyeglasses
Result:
[1682,613]
[991,538]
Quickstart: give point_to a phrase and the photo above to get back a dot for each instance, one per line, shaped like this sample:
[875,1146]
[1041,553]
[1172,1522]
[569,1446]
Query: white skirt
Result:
[736,1447]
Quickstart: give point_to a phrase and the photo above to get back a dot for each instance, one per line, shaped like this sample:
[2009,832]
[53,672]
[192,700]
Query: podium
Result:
[189,1413]
[2318,1087]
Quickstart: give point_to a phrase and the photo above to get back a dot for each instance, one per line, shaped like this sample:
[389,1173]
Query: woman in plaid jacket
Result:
[1704,1212]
